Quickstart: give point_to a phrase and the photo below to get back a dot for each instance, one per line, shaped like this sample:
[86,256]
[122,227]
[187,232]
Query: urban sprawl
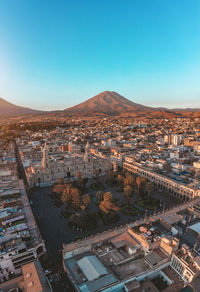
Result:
[123,198]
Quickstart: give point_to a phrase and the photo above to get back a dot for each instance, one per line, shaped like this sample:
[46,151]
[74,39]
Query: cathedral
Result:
[51,168]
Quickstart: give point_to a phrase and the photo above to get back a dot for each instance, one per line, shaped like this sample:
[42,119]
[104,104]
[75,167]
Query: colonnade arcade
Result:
[163,183]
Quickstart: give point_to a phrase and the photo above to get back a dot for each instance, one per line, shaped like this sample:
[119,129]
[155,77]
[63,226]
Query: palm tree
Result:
[149,189]
[79,178]
[138,182]
[128,191]
[68,188]
[111,176]
[120,178]
[129,180]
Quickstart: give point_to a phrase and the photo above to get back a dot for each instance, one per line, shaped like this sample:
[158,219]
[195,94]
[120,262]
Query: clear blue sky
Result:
[54,54]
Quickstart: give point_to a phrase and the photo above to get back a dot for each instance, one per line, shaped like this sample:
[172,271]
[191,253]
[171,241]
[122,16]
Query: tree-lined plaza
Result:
[82,206]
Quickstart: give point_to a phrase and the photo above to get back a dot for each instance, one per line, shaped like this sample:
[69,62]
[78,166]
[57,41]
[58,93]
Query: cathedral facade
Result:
[49,169]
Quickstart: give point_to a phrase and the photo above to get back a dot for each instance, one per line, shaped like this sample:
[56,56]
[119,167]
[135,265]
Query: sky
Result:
[58,53]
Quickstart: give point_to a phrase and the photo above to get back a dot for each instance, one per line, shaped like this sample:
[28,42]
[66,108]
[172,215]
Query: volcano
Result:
[108,102]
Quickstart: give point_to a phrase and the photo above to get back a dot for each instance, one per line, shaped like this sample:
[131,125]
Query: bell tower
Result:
[45,157]
[87,154]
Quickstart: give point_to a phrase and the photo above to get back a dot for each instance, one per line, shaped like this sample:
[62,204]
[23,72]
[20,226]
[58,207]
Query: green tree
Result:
[75,197]
[107,205]
[86,200]
[107,196]
[59,188]
[65,197]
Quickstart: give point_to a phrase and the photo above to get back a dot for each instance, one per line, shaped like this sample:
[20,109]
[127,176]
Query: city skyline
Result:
[58,55]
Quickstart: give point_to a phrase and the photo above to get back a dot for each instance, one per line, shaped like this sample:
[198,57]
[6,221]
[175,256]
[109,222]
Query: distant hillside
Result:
[108,102]
[8,109]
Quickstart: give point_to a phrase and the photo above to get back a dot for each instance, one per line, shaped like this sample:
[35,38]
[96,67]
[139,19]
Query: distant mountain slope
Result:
[108,102]
[104,104]
[8,109]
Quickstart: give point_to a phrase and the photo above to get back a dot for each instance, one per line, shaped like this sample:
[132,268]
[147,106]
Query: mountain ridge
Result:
[8,109]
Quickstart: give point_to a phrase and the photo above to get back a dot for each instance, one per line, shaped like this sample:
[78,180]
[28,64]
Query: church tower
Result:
[87,155]
[87,161]
[45,157]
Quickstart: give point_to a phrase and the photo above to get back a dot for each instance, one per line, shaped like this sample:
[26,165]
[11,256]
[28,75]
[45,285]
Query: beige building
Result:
[185,264]
[51,168]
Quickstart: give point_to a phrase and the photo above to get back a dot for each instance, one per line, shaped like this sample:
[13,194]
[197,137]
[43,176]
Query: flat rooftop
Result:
[131,268]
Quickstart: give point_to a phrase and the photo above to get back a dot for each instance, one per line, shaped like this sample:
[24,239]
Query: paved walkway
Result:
[30,220]
[167,212]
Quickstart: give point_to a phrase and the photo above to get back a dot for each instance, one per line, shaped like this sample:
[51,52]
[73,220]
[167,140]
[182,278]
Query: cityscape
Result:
[99,190]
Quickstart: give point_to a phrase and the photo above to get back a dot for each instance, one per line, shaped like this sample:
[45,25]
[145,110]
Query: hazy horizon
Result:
[56,54]
[62,108]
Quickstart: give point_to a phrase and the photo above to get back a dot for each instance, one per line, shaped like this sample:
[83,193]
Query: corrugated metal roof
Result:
[101,282]
[92,267]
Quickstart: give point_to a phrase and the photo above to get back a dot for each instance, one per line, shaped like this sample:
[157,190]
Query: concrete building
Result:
[32,279]
[185,264]
[20,239]
[118,259]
